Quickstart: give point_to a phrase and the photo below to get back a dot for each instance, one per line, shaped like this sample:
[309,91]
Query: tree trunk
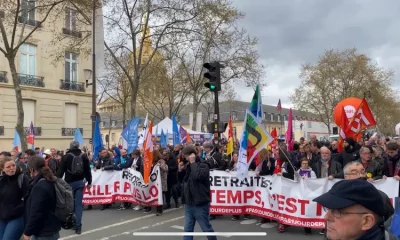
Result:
[123,115]
[194,108]
[329,128]
[18,95]
[134,91]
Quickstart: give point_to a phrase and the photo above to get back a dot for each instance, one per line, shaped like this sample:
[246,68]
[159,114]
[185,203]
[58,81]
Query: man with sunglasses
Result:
[354,210]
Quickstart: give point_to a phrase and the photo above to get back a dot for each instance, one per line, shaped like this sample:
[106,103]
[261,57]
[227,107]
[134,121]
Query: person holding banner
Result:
[196,193]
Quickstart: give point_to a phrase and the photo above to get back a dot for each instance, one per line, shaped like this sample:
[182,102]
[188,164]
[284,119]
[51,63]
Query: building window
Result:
[70,19]
[102,124]
[29,112]
[264,115]
[285,118]
[272,117]
[279,117]
[70,115]
[28,11]
[113,123]
[28,59]
[309,124]
[71,67]
[113,137]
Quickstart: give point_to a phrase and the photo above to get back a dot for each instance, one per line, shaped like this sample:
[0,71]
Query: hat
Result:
[350,141]
[47,152]
[347,193]
[74,145]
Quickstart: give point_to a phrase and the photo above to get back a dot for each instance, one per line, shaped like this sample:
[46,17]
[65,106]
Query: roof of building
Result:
[237,109]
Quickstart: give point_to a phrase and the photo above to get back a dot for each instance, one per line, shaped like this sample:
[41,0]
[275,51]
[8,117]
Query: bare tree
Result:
[115,85]
[131,21]
[19,27]
[164,91]
[214,36]
[341,74]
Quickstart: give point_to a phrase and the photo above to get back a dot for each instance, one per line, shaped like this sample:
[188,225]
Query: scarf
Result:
[305,172]
[324,168]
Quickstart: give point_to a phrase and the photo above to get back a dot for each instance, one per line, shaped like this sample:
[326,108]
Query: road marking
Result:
[74,236]
[143,228]
[183,228]
[269,225]
[249,221]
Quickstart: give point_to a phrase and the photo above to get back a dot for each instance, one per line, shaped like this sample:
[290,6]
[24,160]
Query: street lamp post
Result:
[92,73]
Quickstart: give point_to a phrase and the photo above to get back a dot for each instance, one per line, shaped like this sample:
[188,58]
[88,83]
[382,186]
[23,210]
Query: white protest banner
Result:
[276,197]
[124,186]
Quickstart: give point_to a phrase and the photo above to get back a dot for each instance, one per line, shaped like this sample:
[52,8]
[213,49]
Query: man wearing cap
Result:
[354,210]
[76,180]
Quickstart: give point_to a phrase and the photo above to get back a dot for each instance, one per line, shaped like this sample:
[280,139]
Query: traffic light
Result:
[213,75]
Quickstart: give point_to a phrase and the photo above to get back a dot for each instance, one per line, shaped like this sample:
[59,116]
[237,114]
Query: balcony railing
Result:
[1,130]
[72,86]
[31,80]
[69,131]
[30,22]
[72,32]
[3,77]
[36,130]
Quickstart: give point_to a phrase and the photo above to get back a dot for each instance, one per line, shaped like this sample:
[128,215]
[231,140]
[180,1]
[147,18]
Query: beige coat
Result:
[164,175]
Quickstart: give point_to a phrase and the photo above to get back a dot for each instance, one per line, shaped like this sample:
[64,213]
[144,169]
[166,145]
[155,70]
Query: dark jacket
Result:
[289,170]
[373,168]
[105,162]
[196,183]
[123,163]
[40,205]
[65,168]
[265,170]
[216,161]
[12,196]
[347,155]
[335,169]
[172,177]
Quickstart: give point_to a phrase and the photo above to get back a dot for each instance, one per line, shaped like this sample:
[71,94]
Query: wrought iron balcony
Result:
[31,80]
[1,130]
[30,22]
[72,86]
[3,77]
[36,130]
[69,131]
[72,33]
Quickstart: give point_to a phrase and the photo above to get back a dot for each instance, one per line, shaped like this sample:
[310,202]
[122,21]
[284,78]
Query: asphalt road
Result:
[113,224]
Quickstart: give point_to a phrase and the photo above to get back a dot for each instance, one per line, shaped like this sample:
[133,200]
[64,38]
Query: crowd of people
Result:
[28,202]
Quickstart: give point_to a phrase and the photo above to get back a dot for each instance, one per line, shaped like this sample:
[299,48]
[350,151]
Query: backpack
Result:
[64,200]
[77,164]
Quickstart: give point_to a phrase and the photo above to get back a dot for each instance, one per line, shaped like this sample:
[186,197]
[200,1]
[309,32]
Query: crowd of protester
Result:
[28,201]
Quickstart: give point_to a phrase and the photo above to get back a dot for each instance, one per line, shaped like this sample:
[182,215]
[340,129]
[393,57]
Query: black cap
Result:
[347,193]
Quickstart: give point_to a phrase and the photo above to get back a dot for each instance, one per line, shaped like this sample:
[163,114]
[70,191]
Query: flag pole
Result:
[282,119]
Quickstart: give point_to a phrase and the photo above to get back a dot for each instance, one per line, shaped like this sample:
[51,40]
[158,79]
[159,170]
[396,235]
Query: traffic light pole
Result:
[217,135]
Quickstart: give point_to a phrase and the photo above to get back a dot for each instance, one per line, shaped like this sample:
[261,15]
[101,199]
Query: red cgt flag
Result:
[363,118]
[343,128]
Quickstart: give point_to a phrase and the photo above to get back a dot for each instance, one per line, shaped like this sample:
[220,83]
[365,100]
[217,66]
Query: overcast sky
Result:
[298,31]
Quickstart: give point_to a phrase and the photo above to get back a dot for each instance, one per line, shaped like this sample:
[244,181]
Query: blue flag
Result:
[131,134]
[395,226]
[175,131]
[78,136]
[163,139]
[97,140]
[17,141]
